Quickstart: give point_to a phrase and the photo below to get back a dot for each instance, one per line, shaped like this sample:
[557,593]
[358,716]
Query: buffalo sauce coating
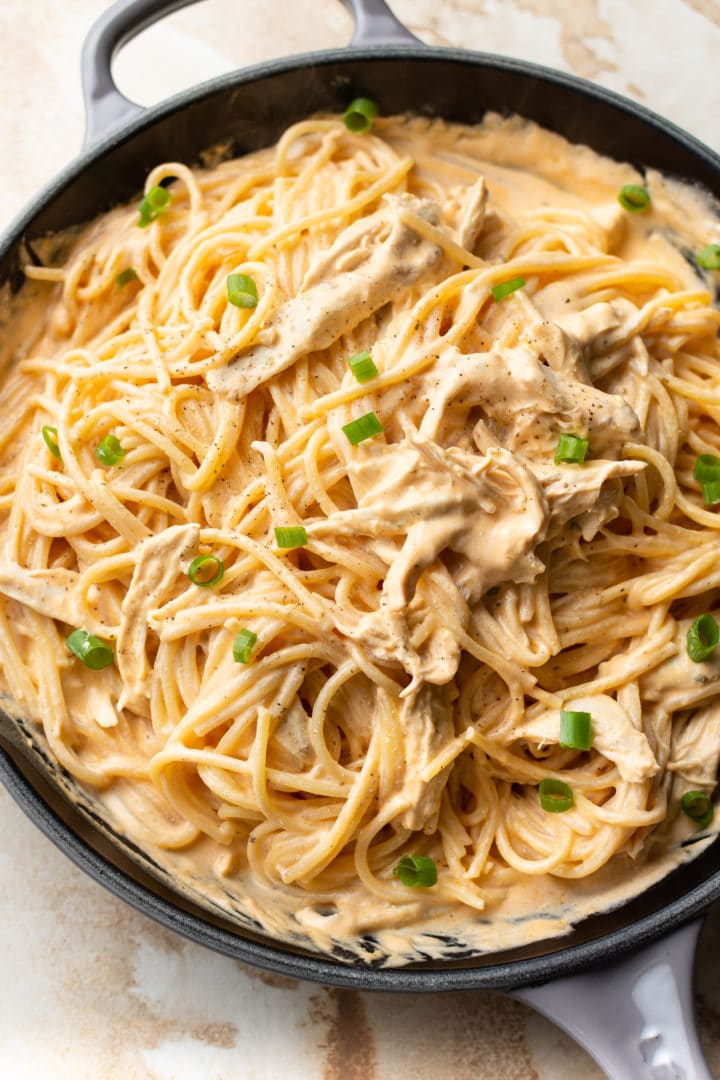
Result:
[451,500]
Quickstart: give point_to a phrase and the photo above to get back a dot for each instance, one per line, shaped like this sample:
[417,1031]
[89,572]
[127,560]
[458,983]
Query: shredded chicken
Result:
[425,720]
[49,592]
[526,403]
[473,214]
[153,581]
[488,510]
[679,682]
[482,505]
[370,262]
[613,734]
[695,748]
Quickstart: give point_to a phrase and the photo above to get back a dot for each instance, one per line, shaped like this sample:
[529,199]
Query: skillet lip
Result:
[282,959]
[267,954]
[126,130]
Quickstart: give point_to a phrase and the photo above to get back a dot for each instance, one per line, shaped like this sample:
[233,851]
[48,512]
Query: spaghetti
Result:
[354,471]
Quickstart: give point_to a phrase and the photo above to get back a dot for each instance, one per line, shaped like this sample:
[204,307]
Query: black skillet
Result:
[621,982]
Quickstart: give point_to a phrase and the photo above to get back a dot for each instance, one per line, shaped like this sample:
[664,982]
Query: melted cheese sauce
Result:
[458,588]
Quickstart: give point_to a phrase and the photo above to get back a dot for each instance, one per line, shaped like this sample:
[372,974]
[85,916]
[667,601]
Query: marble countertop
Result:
[89,988]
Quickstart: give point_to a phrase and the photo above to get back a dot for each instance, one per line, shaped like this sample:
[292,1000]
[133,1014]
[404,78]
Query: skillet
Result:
[635,1018]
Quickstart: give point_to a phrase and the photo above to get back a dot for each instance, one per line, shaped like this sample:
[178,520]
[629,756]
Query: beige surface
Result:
[90,989]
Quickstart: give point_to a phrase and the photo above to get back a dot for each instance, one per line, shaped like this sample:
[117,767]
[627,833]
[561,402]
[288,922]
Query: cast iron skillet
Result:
[635,1018]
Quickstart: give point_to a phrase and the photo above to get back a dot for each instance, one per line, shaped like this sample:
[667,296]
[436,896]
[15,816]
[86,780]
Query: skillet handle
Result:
[375,24]
[637,1018]
[106,107]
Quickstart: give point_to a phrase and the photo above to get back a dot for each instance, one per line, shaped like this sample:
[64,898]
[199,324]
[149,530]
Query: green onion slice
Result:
[635,198]
[125,277]
[206,570]
[575,730]
[416,870]
[362,366]
[698,807]
[242,291]
[49,435]
[555,796]
[93,651]
[571,449]
[702,638]
[707,467]
[153,205]
[291,536]
[243,645]
[711,492]
[110,450]
[499,292]
[709,257]
[365,427]
[360,115]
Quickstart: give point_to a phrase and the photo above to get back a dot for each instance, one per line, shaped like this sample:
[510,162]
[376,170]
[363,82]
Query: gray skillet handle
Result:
[106,107]
[637,1018]
[375,24]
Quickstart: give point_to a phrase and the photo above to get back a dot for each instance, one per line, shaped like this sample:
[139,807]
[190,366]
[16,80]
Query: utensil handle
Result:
[106,107]
[637,1018]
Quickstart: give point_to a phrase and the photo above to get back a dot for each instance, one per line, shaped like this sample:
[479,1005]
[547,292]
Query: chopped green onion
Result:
[711,492]
[243,646]
[291,536]
[698,807]
[153,205]
[635,198]
[93,651]
[365,427]
[110,450]
[702,638]
[125,277]
[707,467]
[202,566]
[555,796]
[49,435]
[242,291]
[499,292]
[362,366]
[709,257]
[571,449]
[360,114]
[416,870]
[575,730]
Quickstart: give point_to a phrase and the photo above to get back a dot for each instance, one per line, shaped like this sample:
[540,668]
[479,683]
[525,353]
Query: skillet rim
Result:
[270,955]
[127,130]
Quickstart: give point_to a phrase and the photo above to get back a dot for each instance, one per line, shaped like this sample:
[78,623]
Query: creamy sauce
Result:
[466,501]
